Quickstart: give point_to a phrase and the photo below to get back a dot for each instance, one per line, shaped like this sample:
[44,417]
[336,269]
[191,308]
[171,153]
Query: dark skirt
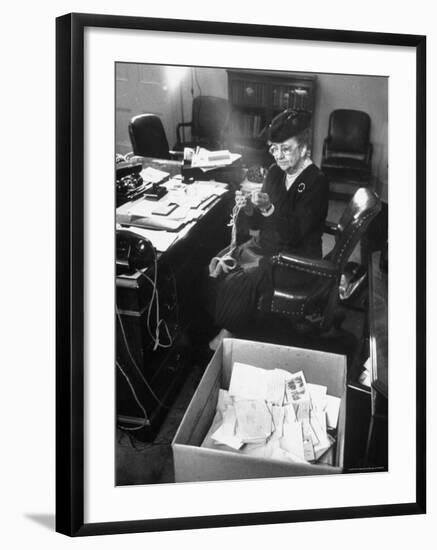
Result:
[237,293]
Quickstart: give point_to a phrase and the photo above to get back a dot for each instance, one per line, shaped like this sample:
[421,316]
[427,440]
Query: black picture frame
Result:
[70,272]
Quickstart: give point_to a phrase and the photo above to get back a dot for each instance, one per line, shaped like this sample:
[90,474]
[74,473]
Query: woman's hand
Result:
[243,201]
[261,200]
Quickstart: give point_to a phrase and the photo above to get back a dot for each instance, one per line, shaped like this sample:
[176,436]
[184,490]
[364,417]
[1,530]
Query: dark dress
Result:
[298,220]
[295,226]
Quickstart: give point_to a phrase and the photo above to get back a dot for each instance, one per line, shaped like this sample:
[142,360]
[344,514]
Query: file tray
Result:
[195,463]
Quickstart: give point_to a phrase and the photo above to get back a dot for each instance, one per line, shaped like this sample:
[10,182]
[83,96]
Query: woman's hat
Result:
[288,124]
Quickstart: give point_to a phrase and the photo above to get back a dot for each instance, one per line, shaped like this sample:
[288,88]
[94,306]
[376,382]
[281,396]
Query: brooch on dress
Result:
[301,187]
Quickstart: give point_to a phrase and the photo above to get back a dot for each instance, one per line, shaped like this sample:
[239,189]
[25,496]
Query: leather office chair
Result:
[148,137]
[307,290]
[347,151]
[209,121]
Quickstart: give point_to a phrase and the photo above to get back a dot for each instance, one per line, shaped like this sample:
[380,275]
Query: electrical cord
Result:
[155,339]
[155,298]
[143,410]
[135,363]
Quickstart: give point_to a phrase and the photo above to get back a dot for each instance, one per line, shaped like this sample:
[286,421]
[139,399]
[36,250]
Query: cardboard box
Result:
[195,463]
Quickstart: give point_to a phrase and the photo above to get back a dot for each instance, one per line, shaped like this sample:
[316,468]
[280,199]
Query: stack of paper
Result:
[152,175]
[275,414]
[161,240]
[209,160]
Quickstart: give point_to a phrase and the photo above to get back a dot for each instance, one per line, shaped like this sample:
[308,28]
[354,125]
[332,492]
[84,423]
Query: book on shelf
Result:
[248,93]
[251,125]
[284,97]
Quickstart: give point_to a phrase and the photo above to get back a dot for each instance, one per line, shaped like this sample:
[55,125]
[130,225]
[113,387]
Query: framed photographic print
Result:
[232,347]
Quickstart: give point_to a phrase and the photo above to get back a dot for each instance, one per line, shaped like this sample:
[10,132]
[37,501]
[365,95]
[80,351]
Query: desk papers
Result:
[152,175]
[169,219]
[161,240]
[209,160]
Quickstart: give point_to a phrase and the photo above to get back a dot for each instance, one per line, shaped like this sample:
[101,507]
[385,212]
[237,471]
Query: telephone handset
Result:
[129,183]
[133,252]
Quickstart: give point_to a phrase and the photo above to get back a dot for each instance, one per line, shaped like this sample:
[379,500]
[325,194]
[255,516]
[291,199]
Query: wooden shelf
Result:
[257,96]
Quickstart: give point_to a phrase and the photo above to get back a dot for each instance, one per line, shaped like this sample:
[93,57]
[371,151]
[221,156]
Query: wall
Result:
[166,91]
[203,81]
[177,85]
[369,94]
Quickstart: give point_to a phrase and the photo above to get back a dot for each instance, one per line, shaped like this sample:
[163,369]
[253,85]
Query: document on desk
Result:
[161,240]
[208,160]
[152,175]
[144,208]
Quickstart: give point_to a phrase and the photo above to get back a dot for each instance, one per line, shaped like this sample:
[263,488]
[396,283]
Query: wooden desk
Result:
[156,374]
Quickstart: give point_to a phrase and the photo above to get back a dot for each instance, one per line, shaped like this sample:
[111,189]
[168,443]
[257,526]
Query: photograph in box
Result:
[198,458]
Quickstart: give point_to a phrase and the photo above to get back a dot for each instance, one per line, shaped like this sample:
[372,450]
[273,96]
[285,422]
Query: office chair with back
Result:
[307,290]
[208,125]
[347,151]
[148,137]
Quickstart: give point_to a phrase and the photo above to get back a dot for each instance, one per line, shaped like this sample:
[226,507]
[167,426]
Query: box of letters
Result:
[262,411]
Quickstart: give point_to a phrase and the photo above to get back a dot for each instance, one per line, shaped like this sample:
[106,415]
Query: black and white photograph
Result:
[228,322]
[216,330]
[251,237]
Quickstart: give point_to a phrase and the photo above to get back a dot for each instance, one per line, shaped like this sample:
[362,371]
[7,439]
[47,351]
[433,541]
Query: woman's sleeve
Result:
[256,220]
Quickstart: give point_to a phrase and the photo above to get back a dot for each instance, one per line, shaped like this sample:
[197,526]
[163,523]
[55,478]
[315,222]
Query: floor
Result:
[144,463]
[147,463]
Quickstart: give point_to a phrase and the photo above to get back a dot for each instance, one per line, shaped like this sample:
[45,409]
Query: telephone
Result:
[129,183]
[155,192]
[133,252]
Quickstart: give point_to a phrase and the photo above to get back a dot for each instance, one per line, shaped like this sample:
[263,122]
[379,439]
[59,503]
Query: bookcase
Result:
[257,96]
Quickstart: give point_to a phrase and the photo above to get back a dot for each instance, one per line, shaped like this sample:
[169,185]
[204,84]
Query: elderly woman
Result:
[287,214]
[290,210]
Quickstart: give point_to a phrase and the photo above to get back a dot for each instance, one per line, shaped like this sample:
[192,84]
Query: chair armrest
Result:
[323,268]
[331,228]
[178,129]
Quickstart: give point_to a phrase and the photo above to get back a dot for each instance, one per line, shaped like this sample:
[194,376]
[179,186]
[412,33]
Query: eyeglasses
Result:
[286,150]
